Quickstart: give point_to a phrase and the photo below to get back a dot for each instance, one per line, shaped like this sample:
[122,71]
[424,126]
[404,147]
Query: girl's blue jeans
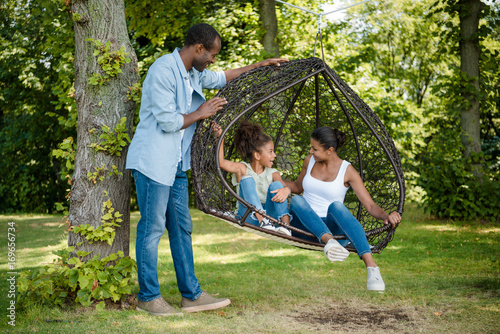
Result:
[339,221]
[163,207]
[248,192]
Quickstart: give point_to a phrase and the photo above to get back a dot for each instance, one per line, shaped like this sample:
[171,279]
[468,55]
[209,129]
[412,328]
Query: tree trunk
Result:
[470,11]
[100,105]
[270,24]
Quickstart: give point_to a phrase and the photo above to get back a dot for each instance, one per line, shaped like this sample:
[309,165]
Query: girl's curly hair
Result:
[250,138]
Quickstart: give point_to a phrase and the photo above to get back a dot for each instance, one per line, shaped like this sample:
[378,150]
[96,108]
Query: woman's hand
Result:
[281,194]
[394,218]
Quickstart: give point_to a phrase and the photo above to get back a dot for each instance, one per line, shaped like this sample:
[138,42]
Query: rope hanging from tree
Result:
[320,19]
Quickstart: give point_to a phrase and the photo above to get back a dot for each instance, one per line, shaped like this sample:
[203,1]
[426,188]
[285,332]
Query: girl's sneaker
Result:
[265,223]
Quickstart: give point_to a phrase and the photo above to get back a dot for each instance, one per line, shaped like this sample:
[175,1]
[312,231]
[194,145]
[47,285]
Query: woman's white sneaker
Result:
[334,251]
[374,281]
[284,230]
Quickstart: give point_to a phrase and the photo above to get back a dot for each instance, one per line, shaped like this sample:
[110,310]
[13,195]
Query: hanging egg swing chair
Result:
[290,101]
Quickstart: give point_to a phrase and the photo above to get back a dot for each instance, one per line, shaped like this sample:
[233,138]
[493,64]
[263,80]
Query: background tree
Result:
[470,53]
[106,68]
[403,58]
[267,11]
[453,187]
[390,53]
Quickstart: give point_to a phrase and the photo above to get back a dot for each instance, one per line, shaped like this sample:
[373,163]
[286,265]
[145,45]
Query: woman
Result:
[325,179]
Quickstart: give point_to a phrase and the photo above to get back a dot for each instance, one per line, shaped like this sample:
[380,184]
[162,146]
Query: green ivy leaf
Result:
[100,306]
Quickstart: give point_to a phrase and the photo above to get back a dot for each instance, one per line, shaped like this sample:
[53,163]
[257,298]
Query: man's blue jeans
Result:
[163,207]
[339,221]
[248,192]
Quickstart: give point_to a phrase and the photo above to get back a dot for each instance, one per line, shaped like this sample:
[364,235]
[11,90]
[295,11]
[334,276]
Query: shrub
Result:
[452,191]
[69,280]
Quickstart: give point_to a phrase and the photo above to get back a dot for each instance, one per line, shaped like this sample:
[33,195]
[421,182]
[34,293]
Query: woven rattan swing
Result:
[290,101]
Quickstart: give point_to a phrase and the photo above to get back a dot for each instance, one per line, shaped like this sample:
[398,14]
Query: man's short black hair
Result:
[201,33]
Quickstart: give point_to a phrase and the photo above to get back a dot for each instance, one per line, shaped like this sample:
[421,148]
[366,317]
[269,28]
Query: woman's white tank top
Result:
[320,194]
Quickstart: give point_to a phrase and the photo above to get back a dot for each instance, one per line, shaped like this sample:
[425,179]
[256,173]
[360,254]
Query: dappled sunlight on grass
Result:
[440,228]
[489,230]
[36,237]
[490,308]
[210,239]
[146,322]
[393,248]
[29,217]
[460,226]
[242,255]
[134,217]
[39,256]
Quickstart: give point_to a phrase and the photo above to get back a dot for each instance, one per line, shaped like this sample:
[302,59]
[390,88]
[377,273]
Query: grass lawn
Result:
[441,277]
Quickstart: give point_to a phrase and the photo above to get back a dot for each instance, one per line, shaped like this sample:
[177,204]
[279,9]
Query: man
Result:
[159,156]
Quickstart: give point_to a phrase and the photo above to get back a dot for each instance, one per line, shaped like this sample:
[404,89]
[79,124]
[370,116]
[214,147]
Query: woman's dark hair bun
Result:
[329,137]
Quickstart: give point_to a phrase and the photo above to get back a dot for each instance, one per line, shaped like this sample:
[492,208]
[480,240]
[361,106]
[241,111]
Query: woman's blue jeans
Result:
[163,207]
[248,192]
[339,221]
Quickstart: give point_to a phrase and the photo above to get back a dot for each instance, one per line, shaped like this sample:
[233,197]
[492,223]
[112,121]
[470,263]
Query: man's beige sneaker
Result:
[158,307]
[205,302]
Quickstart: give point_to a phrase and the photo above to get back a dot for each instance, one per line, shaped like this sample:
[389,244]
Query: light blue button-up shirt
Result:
[158,145]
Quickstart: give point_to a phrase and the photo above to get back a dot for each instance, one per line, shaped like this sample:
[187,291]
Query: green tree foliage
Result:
[389,52]
[164,23]
[35,102]
[451,184]
[158,29]
[490,86]
[402,58]
[489,43]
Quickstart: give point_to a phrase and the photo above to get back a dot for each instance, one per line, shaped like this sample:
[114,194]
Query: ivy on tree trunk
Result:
[102,50]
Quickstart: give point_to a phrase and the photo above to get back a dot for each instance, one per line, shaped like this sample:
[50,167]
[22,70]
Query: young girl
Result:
[256,181]
[325,179]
